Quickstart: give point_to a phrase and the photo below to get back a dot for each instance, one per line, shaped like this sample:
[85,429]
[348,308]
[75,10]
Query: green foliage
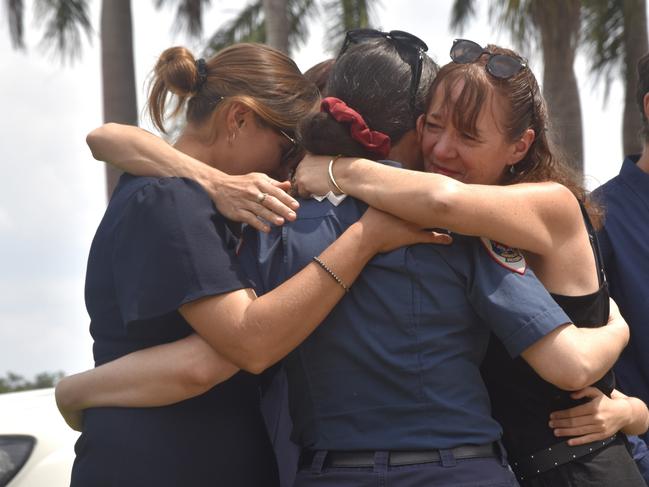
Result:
[248,26]
[64,22]
[14,382]
[517,16]
[189,14]
[341,15]
[603,31]
[15,15]
[601,35]
[344,15]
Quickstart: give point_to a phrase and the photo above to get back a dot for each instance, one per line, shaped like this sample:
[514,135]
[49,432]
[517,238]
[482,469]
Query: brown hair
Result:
[319,73]
[524,108]
[260,77]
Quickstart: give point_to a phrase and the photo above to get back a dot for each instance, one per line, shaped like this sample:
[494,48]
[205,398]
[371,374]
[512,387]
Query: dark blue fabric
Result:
[274,407]
[161,244]
[625,248]
[395,365]
[475,472]
[640,454]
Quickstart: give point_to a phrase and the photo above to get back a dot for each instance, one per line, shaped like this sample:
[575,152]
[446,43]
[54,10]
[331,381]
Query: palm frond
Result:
[189,15]
[461,13]
[299,12]
[65,21]
[344,15]
[603,39]
[517,17]
[15,15]
[247,26]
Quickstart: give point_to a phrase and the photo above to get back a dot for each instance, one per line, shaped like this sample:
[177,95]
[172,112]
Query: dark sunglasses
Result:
[501,66]
[294,153]
[403,39]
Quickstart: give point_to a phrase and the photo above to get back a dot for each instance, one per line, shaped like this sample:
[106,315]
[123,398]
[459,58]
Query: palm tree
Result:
[259,21]
[554,25]
[276,23]
[615,34]
[117,71]
[64,21]
[117,67]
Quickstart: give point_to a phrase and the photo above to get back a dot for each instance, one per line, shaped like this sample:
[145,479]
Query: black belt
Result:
[553,456]
[341,459]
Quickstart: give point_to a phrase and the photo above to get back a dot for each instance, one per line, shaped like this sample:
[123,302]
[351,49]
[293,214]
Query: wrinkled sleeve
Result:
[171,247]
[516,306]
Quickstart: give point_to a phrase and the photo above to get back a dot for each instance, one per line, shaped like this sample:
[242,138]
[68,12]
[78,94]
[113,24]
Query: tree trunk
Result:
[277,28]
[635,46]
[118,72]
[559,22]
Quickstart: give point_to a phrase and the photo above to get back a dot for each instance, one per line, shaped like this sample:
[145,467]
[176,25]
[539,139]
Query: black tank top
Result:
[521,400]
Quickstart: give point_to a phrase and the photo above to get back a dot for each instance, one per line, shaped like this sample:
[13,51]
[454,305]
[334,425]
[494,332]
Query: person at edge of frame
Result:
[625,250]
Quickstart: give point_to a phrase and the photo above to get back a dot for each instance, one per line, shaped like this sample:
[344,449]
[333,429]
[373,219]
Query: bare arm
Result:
[256,333]
[601,417]
[572,358]
[156,376]
[535,217]
[141,153]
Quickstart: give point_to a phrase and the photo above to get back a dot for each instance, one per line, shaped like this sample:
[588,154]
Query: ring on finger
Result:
[261,197]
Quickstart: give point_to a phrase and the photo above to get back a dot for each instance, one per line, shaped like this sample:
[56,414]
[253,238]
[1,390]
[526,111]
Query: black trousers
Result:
[612,466]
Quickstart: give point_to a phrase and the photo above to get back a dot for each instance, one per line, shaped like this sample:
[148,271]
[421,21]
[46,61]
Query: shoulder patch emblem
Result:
[507,257]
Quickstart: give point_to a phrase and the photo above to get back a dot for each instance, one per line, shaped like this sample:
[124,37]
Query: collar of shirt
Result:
[635,178]
[334,199]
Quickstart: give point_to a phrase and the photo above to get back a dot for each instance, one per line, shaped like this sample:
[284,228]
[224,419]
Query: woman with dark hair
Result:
[496,175]
[388,389]
[162,273]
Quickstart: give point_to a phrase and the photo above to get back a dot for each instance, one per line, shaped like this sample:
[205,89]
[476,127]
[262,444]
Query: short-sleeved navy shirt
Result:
[162,244]
[625,249]
[396,364]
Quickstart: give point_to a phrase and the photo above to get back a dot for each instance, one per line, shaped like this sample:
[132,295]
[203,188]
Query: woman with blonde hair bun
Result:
[162,275]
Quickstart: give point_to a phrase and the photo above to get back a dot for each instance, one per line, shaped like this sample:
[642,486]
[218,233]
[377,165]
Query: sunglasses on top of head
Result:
[403,39]
[501,66]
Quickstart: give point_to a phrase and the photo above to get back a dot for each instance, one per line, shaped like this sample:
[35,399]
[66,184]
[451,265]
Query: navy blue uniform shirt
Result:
[625,248]
[162,244]
[396,364]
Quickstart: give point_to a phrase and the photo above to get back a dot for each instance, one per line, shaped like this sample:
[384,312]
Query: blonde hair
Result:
[260,77]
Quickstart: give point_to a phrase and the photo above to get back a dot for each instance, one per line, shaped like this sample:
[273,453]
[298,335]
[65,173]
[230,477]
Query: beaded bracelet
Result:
[332,180]
[332,274]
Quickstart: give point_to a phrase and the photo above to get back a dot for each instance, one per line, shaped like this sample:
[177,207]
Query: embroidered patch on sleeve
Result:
[507,257]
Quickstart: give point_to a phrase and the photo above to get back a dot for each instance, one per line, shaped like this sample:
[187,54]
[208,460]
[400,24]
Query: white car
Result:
[36,446]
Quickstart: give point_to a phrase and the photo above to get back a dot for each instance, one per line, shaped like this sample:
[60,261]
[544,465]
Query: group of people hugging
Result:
[376,273]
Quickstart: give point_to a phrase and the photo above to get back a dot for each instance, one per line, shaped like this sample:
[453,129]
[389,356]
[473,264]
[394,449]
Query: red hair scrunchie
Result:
[375,142]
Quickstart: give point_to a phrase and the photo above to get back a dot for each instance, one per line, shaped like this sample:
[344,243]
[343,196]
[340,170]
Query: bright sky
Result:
[53,193]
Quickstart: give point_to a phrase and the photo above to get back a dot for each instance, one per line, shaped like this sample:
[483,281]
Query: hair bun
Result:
[178,70]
